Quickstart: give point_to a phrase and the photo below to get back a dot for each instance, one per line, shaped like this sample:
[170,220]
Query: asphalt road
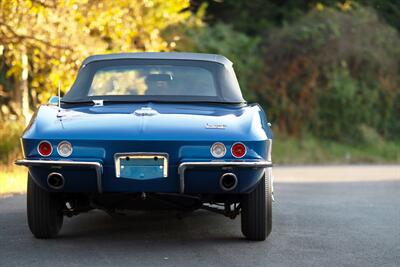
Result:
[323,216]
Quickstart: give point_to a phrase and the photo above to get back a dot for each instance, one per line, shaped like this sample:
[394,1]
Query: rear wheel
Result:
[44,210]
[257,211]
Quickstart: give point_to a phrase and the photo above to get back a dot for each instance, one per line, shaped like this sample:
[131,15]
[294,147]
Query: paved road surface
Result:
[323,216]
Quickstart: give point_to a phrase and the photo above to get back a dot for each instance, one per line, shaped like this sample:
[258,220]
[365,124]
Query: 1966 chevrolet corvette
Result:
[150,131]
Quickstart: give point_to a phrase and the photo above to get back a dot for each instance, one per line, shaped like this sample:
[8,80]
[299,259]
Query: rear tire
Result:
[257,211]
[44,210]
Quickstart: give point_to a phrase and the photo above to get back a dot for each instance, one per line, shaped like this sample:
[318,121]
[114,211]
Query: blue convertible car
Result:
[150,131]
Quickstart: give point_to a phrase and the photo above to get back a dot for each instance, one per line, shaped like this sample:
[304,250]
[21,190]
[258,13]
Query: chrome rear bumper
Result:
[98,167]
[217,164]
[65,163]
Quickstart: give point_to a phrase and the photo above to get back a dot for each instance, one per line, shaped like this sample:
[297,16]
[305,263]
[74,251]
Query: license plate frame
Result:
[121,160]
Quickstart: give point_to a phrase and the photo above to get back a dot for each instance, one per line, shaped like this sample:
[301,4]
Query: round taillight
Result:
[64,149]
[44,148]
[238,150]
[218,150]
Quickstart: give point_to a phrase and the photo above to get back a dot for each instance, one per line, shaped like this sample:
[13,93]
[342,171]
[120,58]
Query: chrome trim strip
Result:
[61,163]
[22,146]
[217,164]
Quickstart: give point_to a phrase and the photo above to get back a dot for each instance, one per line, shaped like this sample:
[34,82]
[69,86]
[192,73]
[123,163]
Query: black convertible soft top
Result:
[228,90]
[162,55]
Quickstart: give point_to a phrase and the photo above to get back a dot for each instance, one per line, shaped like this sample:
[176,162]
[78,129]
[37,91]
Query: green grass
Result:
[313,151]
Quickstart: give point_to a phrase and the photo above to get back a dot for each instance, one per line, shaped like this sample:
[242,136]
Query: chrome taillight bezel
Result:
[216,144]
[64,155]
[245,150]
[38,148]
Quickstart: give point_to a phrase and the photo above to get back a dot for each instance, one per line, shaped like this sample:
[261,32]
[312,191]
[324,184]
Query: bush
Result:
[332,72]
[10,132]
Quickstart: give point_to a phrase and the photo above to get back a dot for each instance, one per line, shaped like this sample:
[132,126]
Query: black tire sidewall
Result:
[44,211]
[256,211]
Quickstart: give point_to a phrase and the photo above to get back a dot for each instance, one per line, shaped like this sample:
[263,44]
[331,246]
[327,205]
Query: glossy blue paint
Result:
[98,132]
[174,122]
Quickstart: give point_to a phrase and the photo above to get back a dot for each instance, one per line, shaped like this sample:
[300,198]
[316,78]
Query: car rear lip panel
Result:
[181,169]
[65,163]
[217,164]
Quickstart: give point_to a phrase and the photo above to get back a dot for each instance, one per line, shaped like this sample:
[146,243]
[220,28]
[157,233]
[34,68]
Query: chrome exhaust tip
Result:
[228,181]
[55,180]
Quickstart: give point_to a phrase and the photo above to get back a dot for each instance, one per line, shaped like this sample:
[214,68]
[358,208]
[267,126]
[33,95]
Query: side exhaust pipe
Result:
[55,180]
[228,181]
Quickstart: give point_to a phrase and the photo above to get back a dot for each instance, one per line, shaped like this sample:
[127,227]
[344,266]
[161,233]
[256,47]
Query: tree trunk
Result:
[24,87]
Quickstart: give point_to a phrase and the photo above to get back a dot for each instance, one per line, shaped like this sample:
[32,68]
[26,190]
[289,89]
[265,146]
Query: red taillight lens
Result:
[238,150]
[45,149]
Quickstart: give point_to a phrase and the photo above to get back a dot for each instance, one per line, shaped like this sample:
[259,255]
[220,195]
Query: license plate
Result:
[141,166]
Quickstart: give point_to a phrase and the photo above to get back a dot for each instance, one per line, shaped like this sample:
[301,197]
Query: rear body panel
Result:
[185,132]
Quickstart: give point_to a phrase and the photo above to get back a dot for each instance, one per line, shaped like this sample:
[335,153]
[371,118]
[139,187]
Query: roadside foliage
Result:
[333,74]
[322,70]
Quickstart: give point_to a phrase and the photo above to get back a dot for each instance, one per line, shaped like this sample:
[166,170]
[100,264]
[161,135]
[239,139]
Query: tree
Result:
[332,73]
[50,39]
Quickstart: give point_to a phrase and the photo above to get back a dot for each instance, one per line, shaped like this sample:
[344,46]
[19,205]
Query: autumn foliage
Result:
[50,39]
[333,74]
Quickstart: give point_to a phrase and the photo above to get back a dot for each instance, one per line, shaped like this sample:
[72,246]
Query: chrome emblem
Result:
[215,126]
[145,111]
